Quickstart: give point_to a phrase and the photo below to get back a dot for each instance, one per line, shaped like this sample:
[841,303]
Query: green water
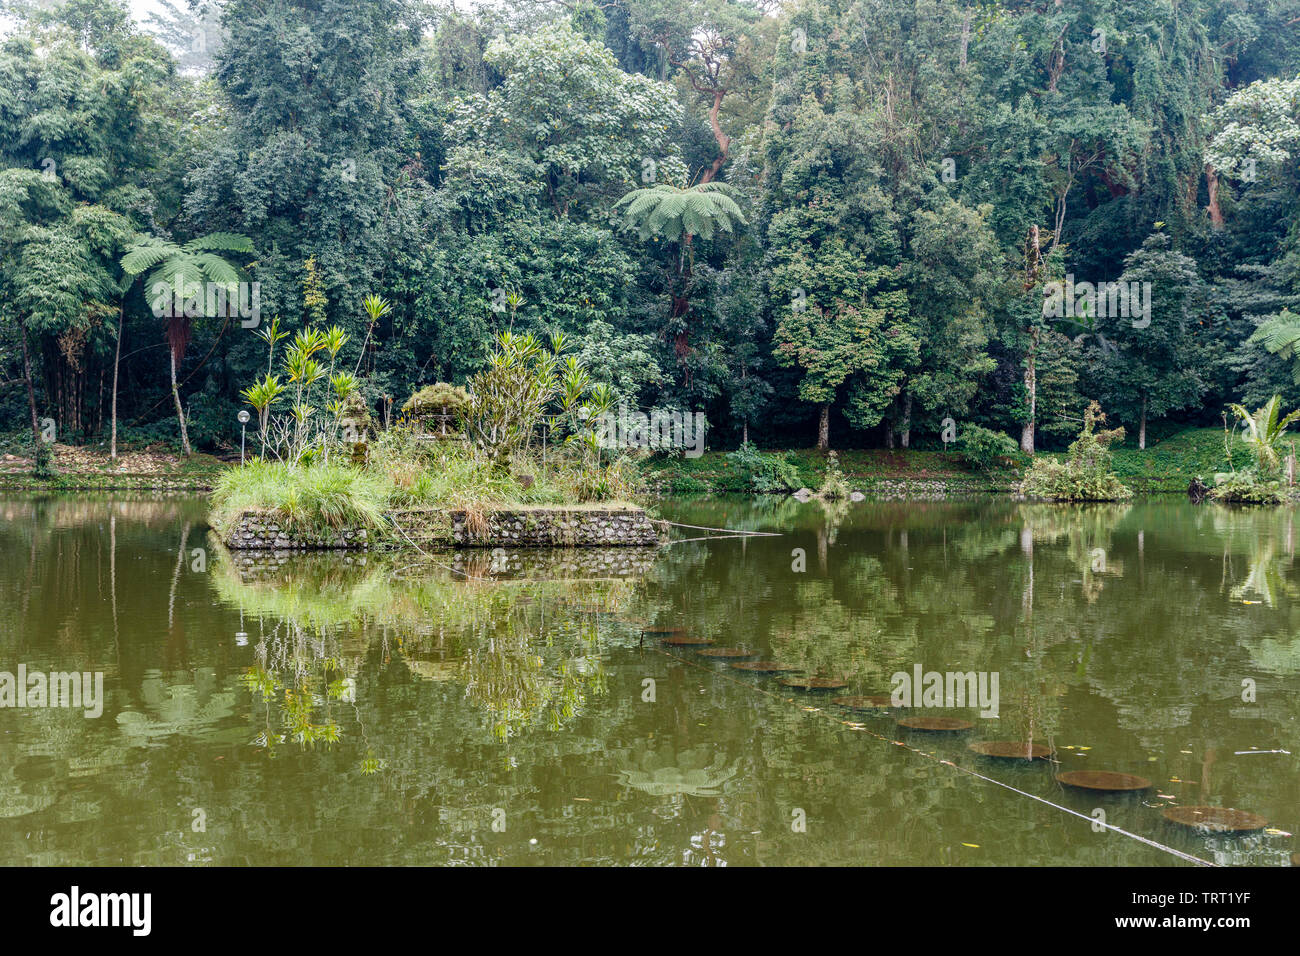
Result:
[509,712]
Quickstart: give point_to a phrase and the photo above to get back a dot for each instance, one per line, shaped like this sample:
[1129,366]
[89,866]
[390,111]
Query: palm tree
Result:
[678,215]
[1263,431]
[174,267]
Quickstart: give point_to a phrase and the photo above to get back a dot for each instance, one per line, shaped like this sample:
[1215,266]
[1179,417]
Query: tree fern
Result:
[672,212]
[1280,335]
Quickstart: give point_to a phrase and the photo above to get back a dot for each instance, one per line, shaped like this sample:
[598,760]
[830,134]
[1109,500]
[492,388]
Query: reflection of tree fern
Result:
[696,772]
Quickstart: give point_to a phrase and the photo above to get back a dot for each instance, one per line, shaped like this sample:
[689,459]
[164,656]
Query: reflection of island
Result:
[521,630]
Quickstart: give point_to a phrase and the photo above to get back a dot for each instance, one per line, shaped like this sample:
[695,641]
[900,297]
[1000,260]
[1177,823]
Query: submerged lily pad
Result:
[864,703]
[813,683]
[1108,780]
[764,667]
[1217,819]
[935,724]
[1011,750]
[726,653]
[685,640]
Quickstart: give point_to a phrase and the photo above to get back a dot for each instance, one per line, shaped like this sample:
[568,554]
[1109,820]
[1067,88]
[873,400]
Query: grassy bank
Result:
[1165,466]
[866,471]
[1171,464]
[89,468]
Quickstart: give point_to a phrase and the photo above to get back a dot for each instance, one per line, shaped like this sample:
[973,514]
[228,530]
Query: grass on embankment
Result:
[1165,466]
[1171,464]
[331,497]
[314,499]
[864,470]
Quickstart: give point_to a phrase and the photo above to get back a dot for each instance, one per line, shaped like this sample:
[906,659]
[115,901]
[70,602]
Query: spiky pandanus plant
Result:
[294,440]
[678,215]
[172,269]
[508,399]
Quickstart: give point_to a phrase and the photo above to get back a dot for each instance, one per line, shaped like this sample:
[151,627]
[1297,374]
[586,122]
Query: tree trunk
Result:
[27,378]
[744,433]
[1142,426]
[117,359]
[1212,190]
[721,138]
[1031,390]
[907,421]
[180,412]
[824,429]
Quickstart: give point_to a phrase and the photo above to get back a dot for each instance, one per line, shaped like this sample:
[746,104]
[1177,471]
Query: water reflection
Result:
[504,707]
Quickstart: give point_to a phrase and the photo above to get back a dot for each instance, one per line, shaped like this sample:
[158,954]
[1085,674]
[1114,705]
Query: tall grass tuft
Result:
[318,498]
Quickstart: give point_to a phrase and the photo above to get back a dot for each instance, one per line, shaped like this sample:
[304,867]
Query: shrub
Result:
[682,483]
[1085,474]
[43,460]
[834,486]
[764,473]
[1247,488]
[431,400]
[984,449]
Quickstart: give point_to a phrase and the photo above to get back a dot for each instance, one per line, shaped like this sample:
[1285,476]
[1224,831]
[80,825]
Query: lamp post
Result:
[243,428]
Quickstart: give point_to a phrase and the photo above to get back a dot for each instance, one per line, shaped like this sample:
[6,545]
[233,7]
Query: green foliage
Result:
[1280,335]
[528,383]
[1246,487]
[1258,125]
[319,498]
[984,449]
[673,212]
[43,461]
[1085,474]
[426,184]
[1262,431]
[764,473]
[437,399]
[834,486]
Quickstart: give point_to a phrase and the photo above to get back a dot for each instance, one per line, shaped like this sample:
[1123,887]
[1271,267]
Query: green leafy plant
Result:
[43,460]
[302,435]
[1085,474]
[1262,431]
[764,473]
[834,486]
[984,449]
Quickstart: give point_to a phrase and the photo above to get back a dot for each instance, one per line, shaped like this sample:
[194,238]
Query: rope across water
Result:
[856,725]
[862,728]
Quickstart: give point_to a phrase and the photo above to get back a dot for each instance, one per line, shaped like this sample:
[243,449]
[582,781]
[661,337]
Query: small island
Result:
[514,460]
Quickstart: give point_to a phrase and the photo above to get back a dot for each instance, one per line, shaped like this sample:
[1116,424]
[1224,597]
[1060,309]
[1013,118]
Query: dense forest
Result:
[834,222]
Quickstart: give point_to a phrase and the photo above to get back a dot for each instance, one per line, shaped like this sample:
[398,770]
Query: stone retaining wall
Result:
[576,528]
[264,531]
[530,528]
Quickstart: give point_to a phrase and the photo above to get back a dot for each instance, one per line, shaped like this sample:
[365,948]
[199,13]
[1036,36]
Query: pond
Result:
[507,708]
